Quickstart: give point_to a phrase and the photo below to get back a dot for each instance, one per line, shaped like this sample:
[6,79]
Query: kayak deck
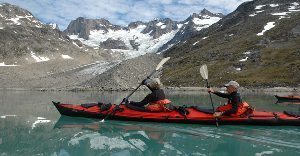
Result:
[194,116]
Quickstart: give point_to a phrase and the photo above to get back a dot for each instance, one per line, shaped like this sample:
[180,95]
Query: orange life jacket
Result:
[158,106]
[242,108]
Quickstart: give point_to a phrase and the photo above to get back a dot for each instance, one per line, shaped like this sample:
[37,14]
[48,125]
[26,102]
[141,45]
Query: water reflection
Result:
[138,139]
[160,139]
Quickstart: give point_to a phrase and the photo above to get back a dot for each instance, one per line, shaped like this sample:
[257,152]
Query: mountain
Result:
[258,44]
[24,39]
[31,51]
[192,26]
[138,37]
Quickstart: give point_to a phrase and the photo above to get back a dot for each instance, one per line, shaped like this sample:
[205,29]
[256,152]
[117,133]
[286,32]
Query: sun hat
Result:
[153,83]
[232,83]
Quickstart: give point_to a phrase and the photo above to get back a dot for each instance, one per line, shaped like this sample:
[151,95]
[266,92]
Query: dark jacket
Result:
[157,94]
[233,98]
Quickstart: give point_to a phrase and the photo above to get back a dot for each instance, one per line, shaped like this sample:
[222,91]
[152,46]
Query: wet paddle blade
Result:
[204,72]
[161,63]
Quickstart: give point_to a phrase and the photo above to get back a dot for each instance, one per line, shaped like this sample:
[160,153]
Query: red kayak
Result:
[288,98]
[180,114]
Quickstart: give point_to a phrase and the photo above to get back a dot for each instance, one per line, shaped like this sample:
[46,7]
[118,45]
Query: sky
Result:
[120,12]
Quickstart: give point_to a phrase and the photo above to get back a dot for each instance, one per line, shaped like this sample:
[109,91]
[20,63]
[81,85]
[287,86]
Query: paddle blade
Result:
[204,72]
[161,63]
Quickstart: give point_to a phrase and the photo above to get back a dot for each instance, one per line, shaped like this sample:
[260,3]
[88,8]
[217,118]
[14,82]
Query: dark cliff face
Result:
[256,45]
[158,27]
[82,26]
[113,44]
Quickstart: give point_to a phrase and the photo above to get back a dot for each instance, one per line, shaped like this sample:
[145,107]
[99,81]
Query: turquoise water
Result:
[30,125]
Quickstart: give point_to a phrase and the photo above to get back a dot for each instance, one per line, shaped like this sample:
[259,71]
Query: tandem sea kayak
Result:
[182,114]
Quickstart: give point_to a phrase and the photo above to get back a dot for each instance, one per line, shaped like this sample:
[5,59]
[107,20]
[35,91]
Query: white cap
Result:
[232,83]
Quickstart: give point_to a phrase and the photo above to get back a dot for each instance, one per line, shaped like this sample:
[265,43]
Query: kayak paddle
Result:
[159,66]
[204,74]
[163,61]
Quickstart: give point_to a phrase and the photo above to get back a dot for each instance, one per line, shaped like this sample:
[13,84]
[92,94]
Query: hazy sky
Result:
[120,12]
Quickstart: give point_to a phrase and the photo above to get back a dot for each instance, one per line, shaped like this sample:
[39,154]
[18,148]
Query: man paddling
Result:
[156,100]
[235,106]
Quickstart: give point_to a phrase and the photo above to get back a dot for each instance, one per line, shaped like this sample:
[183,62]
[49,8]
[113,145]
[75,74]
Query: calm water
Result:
[30,125]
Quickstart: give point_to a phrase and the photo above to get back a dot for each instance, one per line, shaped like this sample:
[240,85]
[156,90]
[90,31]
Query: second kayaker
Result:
[235,105]
[155,101]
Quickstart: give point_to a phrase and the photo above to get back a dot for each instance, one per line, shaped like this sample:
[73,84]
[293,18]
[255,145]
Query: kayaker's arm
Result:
[144,102]
[223,95]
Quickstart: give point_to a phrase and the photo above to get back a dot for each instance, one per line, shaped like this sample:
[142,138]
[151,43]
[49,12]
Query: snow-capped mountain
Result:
[138,37]
[192,26]
[11,15]
[25,40]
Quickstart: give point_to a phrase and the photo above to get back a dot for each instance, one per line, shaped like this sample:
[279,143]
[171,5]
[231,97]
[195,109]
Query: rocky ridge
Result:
[256,45]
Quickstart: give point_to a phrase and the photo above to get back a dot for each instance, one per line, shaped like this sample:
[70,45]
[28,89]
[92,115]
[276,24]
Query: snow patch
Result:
[280,13]
[238,69]
[1,27]
[195,43]
[247,53]
[66,56]
[6,65]
[15,20]
[179,25]
[267,27]
[231,35]
[274,5]
[205,37]
[260,11]
[244,59]
[258,7]
[38,58]
[204,23]
[294,7]
[159,24]
[53,25]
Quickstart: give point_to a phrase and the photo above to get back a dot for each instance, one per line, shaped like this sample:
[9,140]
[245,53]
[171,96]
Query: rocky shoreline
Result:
[168,89]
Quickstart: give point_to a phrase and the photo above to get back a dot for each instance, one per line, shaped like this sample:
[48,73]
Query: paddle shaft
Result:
[127,97]
[212,103]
